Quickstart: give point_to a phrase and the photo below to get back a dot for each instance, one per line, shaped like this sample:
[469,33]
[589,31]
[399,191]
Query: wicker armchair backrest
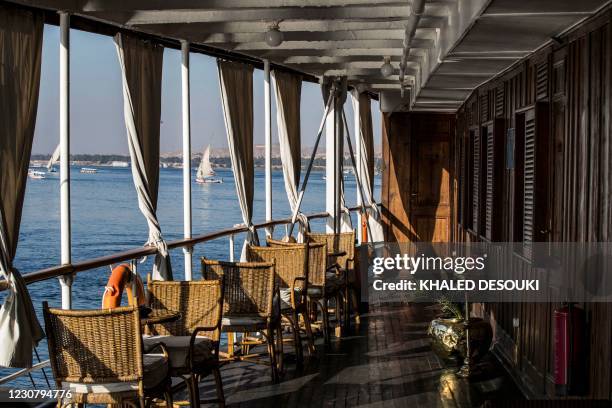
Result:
[94,346]
[248,286]
[290,262]
[341,242]
[317,257]
[199,302]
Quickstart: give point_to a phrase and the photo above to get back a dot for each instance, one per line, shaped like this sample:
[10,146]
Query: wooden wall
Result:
[568,87]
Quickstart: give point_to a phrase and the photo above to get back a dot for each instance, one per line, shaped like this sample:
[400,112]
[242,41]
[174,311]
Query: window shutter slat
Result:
[476,182]
[529,179]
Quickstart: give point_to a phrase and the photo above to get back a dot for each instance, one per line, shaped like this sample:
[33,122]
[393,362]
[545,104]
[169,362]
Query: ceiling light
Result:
[387,69]
[274,36]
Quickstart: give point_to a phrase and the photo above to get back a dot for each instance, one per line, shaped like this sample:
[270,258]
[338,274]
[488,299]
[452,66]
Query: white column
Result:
[334,134]
[186,157]
[358,170]
[268,143]
[64,122]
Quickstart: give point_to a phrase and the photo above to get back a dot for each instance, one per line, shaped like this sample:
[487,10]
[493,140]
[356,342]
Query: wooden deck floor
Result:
[386,362]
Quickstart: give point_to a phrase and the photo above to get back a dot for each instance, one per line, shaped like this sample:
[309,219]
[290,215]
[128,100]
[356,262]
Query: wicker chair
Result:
[291,266]
[341,250]
[97,355]
[320,289]
[193,340]
[248,305]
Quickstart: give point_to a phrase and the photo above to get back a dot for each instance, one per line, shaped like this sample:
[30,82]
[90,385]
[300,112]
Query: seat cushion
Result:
[155,370]
[228,322]
[285,297]
[178,348]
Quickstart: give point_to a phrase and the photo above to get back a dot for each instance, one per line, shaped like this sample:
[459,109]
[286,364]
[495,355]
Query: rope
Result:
[350,147]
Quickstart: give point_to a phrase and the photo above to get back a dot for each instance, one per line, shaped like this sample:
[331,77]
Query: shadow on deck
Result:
[387,361]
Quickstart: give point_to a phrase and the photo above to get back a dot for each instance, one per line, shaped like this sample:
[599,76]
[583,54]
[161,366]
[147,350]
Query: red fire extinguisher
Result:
[570,350]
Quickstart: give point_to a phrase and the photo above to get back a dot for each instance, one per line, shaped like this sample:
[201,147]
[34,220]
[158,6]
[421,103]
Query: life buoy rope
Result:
[120,279]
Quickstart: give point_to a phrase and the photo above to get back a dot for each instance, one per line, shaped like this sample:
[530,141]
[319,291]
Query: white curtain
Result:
[141,68]
[236,82]
[288,89]
[346,224]
[21,35]
[365,144]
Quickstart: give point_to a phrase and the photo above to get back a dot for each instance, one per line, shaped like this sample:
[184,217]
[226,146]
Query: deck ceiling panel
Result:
[440,49]
[497,37]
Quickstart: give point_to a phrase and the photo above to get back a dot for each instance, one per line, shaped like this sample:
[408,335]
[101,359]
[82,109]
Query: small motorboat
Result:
[36,175]
[88,170]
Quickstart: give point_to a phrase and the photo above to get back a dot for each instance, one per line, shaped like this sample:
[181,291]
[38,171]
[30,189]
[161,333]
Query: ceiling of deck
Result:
[449,49]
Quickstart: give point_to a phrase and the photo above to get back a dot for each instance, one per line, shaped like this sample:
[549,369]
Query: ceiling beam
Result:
[296,46]
[300,36]
[131,5]
[199,15]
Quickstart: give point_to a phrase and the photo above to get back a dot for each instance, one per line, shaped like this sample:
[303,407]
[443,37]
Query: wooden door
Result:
[429,210]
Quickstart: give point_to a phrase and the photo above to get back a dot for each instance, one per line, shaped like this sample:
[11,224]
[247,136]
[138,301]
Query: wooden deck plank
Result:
[386,362]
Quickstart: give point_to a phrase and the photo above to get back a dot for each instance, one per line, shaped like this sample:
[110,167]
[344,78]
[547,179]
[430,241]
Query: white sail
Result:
[205,168]
[54,158]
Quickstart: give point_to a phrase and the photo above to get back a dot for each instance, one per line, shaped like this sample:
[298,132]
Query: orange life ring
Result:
[121,278]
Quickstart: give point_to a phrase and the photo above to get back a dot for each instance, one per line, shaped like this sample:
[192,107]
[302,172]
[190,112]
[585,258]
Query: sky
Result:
[96,102]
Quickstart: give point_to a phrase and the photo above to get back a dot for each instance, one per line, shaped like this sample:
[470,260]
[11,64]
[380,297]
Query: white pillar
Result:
[268,144]
[64,122]
[359,169]
[186,157]
[334,134]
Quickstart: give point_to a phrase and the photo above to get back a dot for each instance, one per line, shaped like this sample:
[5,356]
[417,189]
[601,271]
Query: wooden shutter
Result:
[484,107]
[542,80]
[494,175]
[475,180]
[500,96]
[529,177]
[535,176]
[462,180]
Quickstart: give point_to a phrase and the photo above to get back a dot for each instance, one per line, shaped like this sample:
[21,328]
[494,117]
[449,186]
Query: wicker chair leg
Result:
[272,354]
[308,329]
[338,328]
[195,384]
[347,309]
[279,348]
[168,398]
[297,340]
[219,385]
[355,305]
[325,318]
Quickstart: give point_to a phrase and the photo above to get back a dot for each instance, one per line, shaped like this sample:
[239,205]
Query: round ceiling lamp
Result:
[386,68]
[274,36]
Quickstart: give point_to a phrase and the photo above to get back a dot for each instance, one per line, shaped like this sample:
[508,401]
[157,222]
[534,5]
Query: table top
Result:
[157,317]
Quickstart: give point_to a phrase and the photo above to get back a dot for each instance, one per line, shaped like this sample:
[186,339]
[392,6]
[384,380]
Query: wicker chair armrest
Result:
[197,330]
[293,286]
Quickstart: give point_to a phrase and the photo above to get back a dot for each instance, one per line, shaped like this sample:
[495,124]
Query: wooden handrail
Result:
[93,263]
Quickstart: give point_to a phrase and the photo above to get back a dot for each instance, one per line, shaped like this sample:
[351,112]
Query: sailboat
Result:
[205,172]
[54,158]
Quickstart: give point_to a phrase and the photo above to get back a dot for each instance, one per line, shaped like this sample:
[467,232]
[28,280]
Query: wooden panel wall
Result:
[573,80]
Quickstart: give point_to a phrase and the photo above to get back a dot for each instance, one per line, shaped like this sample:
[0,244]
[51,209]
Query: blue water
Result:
[106,219]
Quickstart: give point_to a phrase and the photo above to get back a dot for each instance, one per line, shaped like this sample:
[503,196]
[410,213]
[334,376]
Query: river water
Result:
[106,219]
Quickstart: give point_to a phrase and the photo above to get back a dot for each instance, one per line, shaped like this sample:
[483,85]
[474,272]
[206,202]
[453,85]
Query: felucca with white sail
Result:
[205,173]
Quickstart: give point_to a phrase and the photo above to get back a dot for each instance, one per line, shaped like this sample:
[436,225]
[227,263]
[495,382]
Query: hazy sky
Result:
[97,124]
